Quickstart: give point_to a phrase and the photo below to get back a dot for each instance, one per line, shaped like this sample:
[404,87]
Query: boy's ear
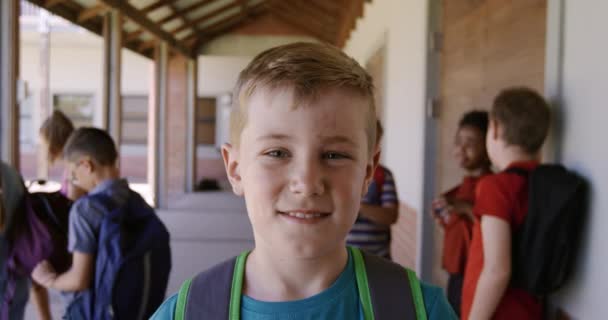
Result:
[370,169]
[89,165]
[229,154]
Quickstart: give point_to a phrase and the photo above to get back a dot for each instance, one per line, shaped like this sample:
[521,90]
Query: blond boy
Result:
[302,155]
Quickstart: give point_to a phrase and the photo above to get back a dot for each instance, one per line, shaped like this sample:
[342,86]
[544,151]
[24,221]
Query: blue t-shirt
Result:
[339,301]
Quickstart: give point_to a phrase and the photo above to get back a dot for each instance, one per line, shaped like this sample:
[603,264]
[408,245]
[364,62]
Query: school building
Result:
[157,74]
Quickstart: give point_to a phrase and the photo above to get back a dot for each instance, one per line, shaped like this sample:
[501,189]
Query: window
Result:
[78,107]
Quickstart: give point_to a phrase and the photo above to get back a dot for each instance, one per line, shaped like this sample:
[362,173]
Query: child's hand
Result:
[441,210]
[44,274]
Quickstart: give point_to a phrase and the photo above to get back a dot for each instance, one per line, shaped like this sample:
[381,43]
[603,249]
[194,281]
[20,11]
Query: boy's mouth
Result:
[305,216]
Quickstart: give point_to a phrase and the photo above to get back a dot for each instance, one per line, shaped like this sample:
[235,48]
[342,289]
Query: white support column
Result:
[44,109]
[9,73]
[112,96]
[157,111]
[192,101]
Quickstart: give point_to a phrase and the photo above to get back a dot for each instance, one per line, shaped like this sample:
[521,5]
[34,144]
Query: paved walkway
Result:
[206,228]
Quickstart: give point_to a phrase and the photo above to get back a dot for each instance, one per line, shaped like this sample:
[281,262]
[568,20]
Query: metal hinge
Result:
[436,41]
[433,108]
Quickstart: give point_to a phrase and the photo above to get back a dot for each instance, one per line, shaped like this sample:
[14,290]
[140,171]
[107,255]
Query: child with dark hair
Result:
[91,156]
[453,209]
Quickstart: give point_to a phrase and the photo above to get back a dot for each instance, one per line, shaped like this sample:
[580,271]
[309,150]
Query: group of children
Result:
[480,215]
[303,151]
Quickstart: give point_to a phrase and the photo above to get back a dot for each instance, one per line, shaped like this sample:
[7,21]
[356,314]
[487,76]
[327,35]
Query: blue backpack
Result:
[132,265]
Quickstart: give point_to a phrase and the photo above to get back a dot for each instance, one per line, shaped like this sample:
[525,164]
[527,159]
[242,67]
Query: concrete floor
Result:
[206,228]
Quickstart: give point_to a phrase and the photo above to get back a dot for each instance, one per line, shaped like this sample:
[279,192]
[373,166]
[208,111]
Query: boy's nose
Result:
[307,179]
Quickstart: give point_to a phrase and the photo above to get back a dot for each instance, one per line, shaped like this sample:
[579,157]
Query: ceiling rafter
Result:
[91,13]
[209,15]
[306,10]
[179,13]
[156,5]
[143,21]
[225,23]
[308,23]
[71,11]
[290,17]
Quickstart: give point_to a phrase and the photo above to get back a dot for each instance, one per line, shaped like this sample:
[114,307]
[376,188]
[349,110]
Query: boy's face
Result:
[302,171]
[80,173]
[470,148]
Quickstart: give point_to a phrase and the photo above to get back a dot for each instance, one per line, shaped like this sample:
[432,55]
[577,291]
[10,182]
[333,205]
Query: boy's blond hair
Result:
[308,69]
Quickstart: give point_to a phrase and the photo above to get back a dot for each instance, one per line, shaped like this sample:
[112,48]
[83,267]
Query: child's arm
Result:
[496,272]
[384,215]
[40,299]
[78,278]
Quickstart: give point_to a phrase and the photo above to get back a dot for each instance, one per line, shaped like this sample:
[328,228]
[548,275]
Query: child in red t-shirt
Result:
[519,122]
[453,209]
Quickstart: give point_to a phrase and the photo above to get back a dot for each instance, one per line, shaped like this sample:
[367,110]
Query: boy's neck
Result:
[271,277]
[106,173]
[513,154]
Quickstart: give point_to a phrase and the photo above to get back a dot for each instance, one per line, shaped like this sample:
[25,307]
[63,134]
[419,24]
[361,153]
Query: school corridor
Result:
[158,76]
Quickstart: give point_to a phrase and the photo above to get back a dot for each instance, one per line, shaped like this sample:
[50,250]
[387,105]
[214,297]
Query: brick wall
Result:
[404,232]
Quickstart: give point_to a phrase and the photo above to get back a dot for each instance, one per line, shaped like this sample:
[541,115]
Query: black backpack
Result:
[545,245]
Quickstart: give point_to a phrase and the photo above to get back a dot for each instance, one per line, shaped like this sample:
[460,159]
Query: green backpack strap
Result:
[417,294]
[182,298]
[384,282]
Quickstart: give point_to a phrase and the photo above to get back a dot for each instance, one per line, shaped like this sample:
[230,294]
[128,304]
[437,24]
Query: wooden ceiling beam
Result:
[312,24]
[156,5]
[70,14]
[306,10]
[223,26]
[51,3]
[209,15]
[92,12]
[331,7]
[184,11]
[144,22]
[295,20]
[132,36]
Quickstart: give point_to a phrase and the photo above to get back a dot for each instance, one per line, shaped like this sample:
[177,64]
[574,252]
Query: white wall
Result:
[218,74]
[585,74]
[402,26]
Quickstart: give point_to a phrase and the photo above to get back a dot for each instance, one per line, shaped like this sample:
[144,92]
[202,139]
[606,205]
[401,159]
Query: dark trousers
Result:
[455,291]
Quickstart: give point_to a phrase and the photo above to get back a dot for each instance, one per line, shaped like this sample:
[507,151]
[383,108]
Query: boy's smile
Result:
[302,170]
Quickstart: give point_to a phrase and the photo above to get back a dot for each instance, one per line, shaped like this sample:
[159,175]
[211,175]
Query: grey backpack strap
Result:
[209,293]
[390,289]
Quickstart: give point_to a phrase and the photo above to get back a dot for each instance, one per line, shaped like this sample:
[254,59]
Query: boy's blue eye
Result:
[277,154]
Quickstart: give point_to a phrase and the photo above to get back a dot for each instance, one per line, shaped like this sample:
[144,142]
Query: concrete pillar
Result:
[157,111]
[112,96]
[191,103]
[9,73]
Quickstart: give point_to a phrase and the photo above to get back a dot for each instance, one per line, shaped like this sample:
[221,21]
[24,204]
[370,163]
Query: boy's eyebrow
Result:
[325,139]
[274,136]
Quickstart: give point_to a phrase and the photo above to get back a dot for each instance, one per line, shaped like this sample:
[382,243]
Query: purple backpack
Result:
[38,232]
